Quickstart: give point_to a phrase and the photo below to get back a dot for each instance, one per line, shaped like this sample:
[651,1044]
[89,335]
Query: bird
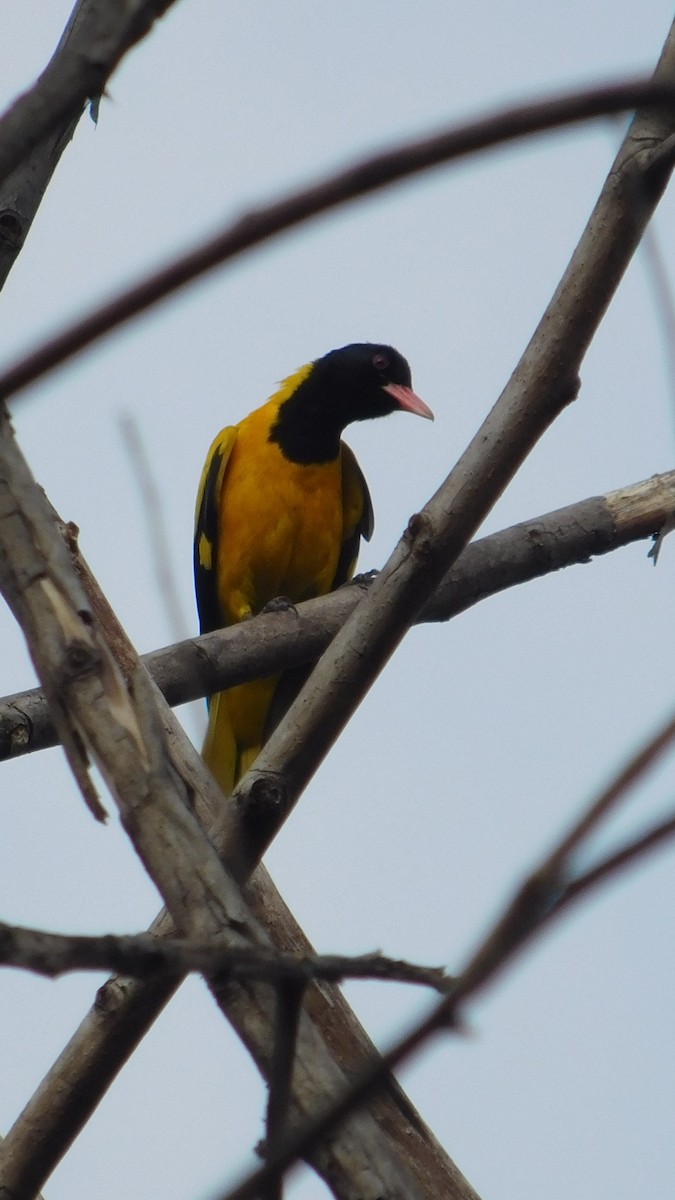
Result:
[281,509]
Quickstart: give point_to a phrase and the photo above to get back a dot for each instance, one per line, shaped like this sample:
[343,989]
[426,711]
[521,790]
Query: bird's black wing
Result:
[207,516]
[358,514]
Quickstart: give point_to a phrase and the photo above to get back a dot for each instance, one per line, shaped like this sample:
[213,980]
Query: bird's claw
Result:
[279,604]
[363,579]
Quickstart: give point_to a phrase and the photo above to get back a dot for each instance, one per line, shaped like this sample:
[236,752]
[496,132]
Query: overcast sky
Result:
[483,737]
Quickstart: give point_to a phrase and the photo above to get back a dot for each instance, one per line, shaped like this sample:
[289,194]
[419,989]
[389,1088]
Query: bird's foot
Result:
[279,604]
[363,579]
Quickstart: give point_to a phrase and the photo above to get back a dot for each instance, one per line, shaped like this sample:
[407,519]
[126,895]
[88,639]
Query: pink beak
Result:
[408,400]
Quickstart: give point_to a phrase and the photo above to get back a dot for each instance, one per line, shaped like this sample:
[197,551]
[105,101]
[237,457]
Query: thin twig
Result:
[144,956]
[158,540]
[638,765]
[370,175]
[664,305]
[658,835]
[554,883]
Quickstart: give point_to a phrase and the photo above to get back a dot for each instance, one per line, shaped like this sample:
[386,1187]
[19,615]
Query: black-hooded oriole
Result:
[281,509]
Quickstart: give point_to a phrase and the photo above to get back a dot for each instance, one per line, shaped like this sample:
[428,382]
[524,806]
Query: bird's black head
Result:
[355,383]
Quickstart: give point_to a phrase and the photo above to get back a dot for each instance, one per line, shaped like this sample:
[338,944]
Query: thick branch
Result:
[275,641]
[370,175]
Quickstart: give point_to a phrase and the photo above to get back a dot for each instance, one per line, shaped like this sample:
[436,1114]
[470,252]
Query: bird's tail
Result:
[241,720]
[238,728]
[220,751]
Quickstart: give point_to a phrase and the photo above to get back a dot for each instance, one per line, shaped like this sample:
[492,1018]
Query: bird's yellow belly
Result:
[280,534]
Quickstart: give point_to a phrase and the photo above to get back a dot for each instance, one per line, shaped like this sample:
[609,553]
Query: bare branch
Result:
[36,1195]
[276,641]
[645,760]
[554,883]
[144,956]
[96,37]
[35,131]
[35,572]
[539,389]
[655,837]
[368,176]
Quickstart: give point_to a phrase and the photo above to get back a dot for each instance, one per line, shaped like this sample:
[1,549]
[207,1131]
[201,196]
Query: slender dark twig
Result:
[657,835]
[364,178]
[645,760]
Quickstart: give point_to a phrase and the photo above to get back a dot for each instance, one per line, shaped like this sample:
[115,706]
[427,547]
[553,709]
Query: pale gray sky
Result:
[482,738]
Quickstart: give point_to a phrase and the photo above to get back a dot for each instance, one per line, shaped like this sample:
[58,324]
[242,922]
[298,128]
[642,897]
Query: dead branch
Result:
[143,956]
[370,175]
[35,131]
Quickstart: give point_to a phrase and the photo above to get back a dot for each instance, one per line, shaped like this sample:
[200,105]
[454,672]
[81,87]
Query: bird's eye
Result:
[380,362]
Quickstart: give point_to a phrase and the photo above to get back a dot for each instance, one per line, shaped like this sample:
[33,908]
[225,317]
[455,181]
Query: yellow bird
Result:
[281,510]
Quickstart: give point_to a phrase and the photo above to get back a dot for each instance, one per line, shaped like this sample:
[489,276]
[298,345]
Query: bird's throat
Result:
[305,432]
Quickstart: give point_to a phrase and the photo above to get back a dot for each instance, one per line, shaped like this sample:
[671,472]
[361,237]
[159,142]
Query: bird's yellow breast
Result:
[281,524]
